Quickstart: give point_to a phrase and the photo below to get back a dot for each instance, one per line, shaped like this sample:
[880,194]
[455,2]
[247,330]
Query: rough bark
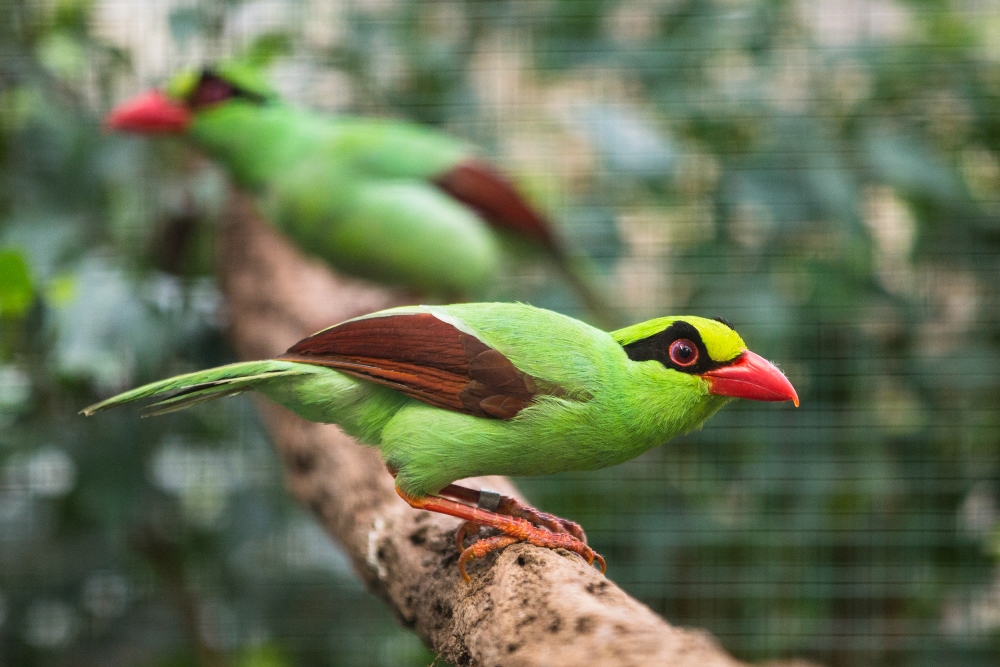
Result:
[524,606]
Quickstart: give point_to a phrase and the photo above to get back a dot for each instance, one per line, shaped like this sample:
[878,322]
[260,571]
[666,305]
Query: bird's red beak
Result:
[753,377]
[149,113]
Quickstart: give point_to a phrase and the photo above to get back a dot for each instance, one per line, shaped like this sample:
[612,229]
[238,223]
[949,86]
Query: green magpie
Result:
[450,392]
[382,199]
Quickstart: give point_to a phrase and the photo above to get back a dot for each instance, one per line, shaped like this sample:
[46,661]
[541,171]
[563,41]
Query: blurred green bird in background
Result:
[450,392]
[382,199]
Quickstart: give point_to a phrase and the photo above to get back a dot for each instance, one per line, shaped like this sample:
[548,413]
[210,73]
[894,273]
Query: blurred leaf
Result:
[626,139]
[15,389]
[72,16]
[263,655]
[64,56]
[105,332]
[18,104]
[906,163]
[267,47]
[16,291]
[61,290]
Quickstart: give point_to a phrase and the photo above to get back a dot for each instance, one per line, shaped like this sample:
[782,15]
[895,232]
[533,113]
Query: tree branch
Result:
[525,606]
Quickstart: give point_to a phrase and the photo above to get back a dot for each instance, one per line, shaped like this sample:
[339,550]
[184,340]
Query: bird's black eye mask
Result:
[661,347]
[212,89]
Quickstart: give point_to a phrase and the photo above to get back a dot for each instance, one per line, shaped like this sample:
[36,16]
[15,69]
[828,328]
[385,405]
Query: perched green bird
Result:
[382,199]
[449,392]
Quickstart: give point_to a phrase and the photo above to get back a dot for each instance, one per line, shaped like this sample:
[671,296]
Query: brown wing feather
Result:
[425,358]
[487,191]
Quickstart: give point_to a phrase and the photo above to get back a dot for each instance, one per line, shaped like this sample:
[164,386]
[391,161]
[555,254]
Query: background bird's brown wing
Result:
[487,191]
[425,358]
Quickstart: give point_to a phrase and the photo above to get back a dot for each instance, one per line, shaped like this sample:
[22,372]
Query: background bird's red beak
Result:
[752,377]
[149,113]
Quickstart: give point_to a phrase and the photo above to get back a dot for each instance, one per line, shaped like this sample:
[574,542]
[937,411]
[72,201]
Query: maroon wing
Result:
[425,358]
[488,192]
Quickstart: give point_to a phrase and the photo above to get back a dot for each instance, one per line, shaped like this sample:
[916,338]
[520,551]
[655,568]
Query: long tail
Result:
[192,388]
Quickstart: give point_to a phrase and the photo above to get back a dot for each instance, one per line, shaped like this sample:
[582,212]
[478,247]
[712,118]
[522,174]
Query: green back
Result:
[259,142]
[356,192]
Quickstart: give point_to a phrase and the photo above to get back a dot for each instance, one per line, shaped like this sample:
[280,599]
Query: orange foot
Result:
[513,507]
[514,528]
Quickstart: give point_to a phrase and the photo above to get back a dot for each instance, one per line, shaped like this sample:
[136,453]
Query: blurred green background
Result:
[826,175]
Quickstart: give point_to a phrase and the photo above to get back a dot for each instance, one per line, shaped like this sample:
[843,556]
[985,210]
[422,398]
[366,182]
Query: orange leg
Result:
[514,529]
[513,507]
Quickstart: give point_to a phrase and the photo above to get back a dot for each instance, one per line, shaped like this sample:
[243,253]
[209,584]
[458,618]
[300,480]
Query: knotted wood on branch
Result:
[525,606]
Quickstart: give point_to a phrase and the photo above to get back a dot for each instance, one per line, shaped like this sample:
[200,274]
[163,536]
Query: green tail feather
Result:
[201,386]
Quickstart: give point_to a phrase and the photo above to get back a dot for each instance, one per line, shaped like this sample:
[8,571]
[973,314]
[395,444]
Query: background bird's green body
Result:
[382,199]
[611,408]
[355,191]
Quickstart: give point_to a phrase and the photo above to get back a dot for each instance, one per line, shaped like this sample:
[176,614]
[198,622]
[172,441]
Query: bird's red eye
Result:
[683,352]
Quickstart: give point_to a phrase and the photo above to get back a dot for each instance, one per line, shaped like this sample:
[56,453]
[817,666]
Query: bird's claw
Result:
[552,523]
[515,521]
[466,529]
[527,532]
[481,548]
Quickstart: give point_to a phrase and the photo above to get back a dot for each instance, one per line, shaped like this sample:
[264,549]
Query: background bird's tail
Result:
[192,388]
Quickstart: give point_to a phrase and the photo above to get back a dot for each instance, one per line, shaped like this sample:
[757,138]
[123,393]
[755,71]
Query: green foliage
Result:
[828,182]
[16,290]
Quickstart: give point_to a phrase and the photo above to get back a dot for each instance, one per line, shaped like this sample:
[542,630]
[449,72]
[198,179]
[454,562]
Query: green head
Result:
[173,109]
[690,347]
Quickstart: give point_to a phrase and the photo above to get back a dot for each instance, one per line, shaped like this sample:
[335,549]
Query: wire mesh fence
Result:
[824,175]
